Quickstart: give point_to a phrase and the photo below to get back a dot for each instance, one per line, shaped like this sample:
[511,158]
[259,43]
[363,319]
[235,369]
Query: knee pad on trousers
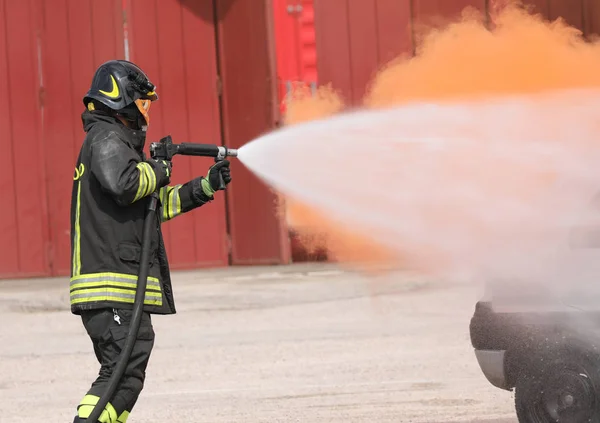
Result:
[136,384]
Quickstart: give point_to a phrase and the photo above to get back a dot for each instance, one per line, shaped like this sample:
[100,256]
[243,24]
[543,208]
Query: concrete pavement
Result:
[306,343]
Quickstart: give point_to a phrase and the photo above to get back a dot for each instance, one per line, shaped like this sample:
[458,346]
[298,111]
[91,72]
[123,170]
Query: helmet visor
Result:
[144,107]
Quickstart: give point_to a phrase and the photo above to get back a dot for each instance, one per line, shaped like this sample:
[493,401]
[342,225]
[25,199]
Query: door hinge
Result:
[219,86]
[291,9]
[229,244]
[42,97]
[50,257]
[228,249]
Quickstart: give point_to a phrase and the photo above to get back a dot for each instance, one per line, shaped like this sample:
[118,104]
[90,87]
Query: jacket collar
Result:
[136,139]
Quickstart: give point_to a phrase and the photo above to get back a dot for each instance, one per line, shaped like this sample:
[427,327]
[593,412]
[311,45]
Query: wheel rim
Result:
[568,396]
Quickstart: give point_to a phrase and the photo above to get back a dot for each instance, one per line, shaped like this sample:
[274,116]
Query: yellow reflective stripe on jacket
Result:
[90,280]
[171,202]
[114,287]
[87,404]
[147,183]
[109,275]
[113,295]
[77,235]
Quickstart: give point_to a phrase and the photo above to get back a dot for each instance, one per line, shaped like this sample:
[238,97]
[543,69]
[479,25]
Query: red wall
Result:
[249,107]
[175,45]
[44,70]
[355,37]
[571,11]
[295,41]
[592,13]
[23,216]
[46,64]
[67,63]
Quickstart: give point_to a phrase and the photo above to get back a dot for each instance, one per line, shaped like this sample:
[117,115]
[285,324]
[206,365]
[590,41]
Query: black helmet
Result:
[122,87]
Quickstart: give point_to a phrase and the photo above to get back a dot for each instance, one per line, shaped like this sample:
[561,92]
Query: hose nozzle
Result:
[226,152]
[165,150]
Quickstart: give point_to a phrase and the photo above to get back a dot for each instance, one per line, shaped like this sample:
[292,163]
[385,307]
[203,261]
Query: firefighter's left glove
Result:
[162,170]
[218,177]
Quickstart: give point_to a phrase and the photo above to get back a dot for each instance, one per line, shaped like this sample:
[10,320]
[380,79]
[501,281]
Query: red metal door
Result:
[355,37]
[49,50]
[249,102]
[295,39]
[394,31]
[295,44]
[432,12]
[333,45]
[364,45]
[592,17]
[570,10]
[173,41]
[582,14]
[9,230]
[539,6]
[24,217]
[77,36]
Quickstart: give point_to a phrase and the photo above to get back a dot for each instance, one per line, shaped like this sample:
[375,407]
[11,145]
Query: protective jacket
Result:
[111,189]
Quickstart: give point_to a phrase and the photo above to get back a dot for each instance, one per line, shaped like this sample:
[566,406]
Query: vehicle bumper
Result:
[491,363]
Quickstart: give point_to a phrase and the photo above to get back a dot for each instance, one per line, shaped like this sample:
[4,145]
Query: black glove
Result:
[218,177]
[162,170]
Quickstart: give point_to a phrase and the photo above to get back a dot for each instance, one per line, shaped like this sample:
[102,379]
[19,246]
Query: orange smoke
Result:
[516,53]
[521,54]
[316,231]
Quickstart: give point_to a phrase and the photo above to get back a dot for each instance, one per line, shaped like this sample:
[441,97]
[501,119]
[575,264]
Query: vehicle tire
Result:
[564,388]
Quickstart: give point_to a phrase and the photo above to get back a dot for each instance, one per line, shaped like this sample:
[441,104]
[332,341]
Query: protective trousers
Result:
[108,329]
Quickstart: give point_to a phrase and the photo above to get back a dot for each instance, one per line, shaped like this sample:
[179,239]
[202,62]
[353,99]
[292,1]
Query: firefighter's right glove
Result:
[219,175]
[162,170]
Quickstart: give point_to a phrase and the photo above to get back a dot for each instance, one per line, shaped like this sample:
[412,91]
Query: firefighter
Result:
[111,186]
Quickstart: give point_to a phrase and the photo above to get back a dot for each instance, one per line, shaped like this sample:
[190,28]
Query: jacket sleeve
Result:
[179,199]
[120,172]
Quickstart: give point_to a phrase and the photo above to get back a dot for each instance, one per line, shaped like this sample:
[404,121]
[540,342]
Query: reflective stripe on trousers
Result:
[109,415]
